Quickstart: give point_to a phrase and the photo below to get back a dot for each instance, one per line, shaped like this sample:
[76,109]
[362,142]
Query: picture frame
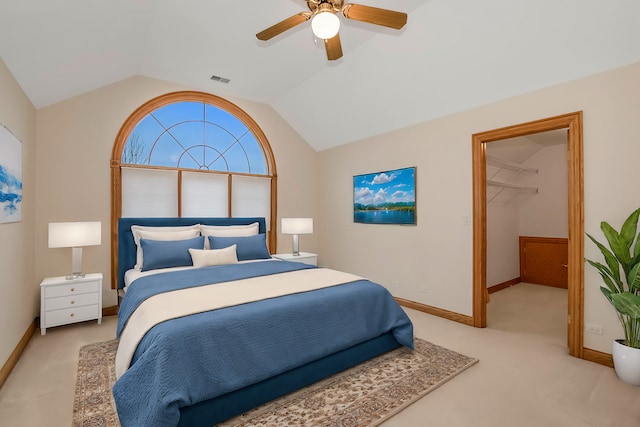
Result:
[10,177]
[385,197]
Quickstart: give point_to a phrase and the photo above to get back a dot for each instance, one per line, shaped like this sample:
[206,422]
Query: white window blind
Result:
[251,196]
[205,195]
[149,193]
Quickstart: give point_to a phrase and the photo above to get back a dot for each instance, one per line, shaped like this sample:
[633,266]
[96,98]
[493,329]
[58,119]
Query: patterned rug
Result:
[365,395]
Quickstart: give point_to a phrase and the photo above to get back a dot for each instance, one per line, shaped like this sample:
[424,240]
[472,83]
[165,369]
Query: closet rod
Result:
[514,187]
[509,165]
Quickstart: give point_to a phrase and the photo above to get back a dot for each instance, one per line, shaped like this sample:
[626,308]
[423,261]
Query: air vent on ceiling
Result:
[220,79]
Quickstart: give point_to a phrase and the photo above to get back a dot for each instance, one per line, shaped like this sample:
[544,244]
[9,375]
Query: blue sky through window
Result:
[195,135]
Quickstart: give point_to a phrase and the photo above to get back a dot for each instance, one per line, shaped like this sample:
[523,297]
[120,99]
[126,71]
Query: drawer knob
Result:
[72,314]
[73,302]
[73,289]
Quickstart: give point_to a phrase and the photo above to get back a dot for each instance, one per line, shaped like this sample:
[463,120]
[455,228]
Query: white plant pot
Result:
[626,361]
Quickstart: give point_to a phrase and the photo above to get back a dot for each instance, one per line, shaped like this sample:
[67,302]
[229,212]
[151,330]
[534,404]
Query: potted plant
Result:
[621,276]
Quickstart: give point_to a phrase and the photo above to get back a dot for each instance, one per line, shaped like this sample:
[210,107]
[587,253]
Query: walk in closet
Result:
[526,208]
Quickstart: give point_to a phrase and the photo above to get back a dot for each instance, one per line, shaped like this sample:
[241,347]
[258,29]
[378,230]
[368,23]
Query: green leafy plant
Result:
[622,289]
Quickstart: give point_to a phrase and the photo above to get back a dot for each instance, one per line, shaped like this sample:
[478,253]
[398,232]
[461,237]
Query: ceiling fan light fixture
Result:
[325,25]
[325,22]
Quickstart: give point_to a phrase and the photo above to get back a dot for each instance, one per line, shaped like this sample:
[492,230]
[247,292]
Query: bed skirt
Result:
[213,411]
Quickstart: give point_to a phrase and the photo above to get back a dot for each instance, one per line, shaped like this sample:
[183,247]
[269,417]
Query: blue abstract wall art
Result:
[387,197]
[10,177]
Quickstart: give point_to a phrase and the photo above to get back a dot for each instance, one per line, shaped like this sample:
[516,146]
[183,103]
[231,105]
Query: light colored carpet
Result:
[365,395]
[524,379]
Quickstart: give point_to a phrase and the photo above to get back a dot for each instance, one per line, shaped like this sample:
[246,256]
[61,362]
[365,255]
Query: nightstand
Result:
[65,301]
[304,257]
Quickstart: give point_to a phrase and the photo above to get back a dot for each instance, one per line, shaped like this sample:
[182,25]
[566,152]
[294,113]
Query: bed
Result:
[201,345]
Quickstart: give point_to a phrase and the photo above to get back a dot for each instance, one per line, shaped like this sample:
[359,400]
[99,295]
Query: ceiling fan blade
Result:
[283,26]
[333,47]
[375,15]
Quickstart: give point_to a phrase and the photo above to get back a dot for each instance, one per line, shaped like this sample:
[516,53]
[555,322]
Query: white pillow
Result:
[161,233]
[228,231]
[204,258]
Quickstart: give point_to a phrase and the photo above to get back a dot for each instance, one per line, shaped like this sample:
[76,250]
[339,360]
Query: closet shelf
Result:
[511,186]
[505,164]
[503,186]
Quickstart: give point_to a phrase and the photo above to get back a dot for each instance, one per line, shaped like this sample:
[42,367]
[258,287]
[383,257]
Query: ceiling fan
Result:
[325,23]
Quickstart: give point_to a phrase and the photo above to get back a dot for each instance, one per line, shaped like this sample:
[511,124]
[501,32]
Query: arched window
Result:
[192,154]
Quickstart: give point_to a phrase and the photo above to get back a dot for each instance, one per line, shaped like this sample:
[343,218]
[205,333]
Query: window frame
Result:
[159,102]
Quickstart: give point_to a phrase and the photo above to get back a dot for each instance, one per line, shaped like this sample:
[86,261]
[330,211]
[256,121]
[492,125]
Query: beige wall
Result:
[428,263]
[19,290]
[75,139]
[432,262]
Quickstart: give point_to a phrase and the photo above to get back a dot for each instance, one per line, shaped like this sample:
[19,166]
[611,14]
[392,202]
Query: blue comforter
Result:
[198,357]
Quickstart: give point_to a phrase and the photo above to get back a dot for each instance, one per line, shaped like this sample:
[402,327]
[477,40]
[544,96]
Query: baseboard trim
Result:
[503,285]
[450,315]
[110,311]
[17,352]
[597,357]
[590,355]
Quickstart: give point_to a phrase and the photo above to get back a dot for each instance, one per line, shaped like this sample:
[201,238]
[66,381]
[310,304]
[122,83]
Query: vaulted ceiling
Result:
[452,55]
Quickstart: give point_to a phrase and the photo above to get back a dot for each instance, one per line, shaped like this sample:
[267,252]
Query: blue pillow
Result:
[248,248]
[168,253]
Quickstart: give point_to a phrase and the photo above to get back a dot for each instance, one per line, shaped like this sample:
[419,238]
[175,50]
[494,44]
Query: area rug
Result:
[365,395]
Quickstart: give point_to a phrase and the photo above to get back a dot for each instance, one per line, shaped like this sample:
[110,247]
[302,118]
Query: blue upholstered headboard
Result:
[127,246]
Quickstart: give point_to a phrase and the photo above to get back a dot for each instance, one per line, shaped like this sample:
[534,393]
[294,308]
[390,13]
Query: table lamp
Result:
[297,226]
[74,235]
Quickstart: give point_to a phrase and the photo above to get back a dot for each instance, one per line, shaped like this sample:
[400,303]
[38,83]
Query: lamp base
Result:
[76,264]
[295,251]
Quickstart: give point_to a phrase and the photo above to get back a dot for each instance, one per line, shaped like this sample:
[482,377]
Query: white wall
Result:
[503,257]
[19,290]
[436,255]
[545,214]
[503,261]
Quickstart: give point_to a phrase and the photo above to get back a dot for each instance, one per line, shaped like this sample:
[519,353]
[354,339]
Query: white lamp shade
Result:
[74,234]
[325,25]
[297,225]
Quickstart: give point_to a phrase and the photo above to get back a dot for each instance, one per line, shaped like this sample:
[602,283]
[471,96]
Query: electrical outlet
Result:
[594,329]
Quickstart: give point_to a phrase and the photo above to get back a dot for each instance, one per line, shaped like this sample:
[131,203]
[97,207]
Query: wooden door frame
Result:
[572,122]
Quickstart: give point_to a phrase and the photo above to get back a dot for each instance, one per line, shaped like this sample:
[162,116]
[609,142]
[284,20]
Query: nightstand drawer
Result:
[72,289]
[72,301]
[70,315]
